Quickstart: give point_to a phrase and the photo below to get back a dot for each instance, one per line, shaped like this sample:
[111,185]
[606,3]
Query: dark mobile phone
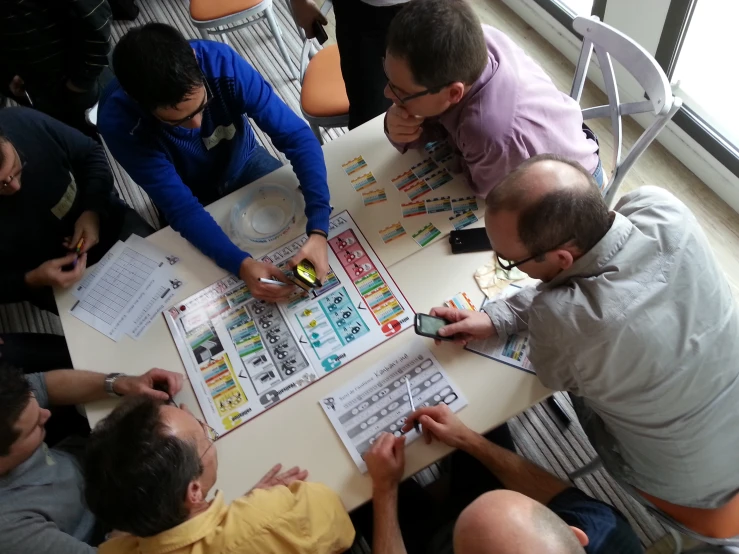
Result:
[428,326]
[469,240]
[319,32]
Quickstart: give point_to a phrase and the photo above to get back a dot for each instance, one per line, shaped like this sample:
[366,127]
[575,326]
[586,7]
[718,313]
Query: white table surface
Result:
[296,431]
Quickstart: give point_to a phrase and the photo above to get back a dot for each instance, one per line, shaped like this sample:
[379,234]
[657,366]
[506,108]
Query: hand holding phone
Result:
[469,240]
[460,326]
[428,326]
[319,32]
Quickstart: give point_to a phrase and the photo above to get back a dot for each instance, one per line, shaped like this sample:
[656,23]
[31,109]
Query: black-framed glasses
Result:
[409,97]
[204,104]
[539,257]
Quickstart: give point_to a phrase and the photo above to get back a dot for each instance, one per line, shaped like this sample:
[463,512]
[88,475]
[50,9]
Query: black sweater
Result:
[35,220]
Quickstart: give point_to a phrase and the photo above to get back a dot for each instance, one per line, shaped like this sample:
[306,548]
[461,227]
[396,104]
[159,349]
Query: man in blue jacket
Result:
[176,120]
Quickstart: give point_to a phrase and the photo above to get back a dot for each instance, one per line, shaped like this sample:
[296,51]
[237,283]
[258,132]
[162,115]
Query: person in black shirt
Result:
[55,56]
[55,188]
[498,501]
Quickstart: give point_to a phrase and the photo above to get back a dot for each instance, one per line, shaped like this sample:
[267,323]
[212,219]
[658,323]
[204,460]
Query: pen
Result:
[273,282]
[416,426]
[78,249]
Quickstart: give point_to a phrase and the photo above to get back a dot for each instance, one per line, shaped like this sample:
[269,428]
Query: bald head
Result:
[507,522]
[554,200]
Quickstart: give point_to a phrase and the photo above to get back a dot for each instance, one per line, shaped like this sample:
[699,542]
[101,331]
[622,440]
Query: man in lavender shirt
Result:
[451,78]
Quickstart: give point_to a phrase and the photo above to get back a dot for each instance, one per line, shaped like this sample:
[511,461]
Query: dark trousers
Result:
[120,223]
[360,34]
[417,515]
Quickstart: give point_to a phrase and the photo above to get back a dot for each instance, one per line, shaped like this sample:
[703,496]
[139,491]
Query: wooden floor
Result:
[538,434]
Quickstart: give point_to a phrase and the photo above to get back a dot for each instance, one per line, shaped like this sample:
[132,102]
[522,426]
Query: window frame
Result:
[565,16]
[677,22]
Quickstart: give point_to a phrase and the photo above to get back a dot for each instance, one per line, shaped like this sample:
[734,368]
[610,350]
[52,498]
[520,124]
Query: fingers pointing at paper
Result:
[465,325]
[440,423]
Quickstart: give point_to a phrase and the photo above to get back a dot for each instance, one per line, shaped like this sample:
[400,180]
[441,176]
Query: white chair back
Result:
[608,43]
[310,46]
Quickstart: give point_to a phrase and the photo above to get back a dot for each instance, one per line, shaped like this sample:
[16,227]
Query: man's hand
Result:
[306,12]
[403,127]
[86,227]
[386,461]
[52,274]
[441,424]
[315,250]
[127,385]
[466,325]
[274,478]
[252,270]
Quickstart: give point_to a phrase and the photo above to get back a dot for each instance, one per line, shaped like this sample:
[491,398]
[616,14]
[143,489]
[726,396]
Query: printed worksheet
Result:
[377,401]
[512,350]
[245,355]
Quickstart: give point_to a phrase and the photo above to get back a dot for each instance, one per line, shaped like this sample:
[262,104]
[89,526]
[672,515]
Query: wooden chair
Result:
[323,99]
[210,17]
[611,43]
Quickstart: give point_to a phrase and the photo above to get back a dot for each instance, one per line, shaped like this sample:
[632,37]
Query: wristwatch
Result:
[110,380]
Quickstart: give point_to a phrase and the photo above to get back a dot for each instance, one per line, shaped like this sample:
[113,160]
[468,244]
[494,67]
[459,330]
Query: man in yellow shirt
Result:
[149,469]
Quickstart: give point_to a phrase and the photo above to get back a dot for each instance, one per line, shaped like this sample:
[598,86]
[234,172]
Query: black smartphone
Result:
[319,32]
[428,326]
[469,240]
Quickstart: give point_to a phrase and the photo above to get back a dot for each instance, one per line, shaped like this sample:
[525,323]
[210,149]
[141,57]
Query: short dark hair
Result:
[156,66]
[15,394]
[136,472]
[575,213]
[441,41]
[3,140]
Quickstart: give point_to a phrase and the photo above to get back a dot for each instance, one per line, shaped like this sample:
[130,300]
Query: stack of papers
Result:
[127,289]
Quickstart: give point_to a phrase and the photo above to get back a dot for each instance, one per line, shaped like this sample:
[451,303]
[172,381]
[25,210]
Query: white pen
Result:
[416,426]
[273,282]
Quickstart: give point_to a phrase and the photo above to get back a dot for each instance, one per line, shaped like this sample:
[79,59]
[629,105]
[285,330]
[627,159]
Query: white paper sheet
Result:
[377,400]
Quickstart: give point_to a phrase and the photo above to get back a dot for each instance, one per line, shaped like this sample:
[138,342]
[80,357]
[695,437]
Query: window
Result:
[565,11]
[697,41]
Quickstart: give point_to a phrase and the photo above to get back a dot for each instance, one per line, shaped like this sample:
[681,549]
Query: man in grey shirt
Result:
[41,489]
[634,317]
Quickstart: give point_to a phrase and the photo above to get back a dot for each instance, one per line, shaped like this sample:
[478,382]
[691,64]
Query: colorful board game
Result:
[244,355]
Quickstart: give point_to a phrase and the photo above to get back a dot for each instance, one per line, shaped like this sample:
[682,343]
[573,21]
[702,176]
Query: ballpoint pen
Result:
[416,425]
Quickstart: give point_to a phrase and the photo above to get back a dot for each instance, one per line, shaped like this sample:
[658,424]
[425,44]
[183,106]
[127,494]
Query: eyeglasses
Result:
[409,97]
[506,265]
[210,433]
[206,100]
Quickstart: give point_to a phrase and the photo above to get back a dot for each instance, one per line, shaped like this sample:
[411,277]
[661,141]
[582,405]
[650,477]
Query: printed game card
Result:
[352,166]
[392,232]
[425,167]
[440,151]
[431,146]
[464,205]
[438,178]
[436,205]
[426,234]
[448,162]
[376,196]
[413,208]
[404,180]
[460,301]
[460,221]
[417,189]
[366,180]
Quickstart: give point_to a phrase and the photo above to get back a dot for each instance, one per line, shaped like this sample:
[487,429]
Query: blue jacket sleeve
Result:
[150,168]
[290,134]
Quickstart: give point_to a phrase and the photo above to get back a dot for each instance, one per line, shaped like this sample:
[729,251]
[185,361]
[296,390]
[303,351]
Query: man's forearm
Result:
[386,536]
[74,386]
[515,472]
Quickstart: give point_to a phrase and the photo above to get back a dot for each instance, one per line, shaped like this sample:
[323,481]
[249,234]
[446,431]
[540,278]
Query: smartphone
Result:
[469,240]
[428,326]
[319,32]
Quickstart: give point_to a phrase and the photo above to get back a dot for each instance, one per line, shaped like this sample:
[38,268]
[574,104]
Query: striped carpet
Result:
[539,435]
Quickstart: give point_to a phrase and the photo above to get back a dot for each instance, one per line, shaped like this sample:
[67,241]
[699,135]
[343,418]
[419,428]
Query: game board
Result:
[245,355]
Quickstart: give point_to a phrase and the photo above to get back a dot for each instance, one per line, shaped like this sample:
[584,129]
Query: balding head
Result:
[546,203]
[507,522]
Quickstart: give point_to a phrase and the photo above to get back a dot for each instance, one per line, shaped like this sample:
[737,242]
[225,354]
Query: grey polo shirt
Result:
[42,508]
[645,329]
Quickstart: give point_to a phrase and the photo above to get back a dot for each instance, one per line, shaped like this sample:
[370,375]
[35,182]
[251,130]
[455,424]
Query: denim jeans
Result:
[259,164]
[599,176]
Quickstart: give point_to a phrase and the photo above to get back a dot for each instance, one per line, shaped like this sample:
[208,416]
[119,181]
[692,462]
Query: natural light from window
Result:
[706,67]
[578,7]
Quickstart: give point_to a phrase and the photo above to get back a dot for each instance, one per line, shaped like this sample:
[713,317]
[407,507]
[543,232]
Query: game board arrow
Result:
[241,375]
[302,340]
[361,306]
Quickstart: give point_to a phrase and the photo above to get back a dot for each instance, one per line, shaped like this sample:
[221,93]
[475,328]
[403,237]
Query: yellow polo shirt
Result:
[302,518]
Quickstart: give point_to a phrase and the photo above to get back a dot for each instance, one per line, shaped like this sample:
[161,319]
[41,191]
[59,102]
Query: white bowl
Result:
[264,214]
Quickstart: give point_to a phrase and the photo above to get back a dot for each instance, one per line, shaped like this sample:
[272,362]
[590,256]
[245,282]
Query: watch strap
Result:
[110,380]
